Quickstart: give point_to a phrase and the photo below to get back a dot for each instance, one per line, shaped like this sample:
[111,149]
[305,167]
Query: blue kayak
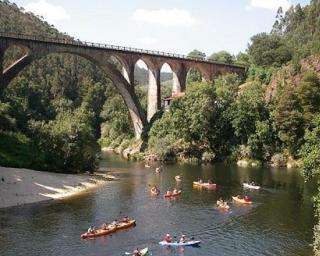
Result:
[188,243]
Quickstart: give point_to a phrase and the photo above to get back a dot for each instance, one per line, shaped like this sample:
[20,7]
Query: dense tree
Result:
[247,109]
[222,56]
[196,54]
[242,59]
[268,50]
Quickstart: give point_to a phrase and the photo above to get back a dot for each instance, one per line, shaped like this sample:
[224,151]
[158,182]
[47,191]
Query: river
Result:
[280,221]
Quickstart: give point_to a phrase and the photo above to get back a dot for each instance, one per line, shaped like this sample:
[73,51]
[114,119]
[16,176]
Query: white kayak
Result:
[188,243]
[246,185]
[144,251]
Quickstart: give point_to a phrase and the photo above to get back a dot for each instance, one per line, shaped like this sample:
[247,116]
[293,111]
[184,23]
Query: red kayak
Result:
[173,194]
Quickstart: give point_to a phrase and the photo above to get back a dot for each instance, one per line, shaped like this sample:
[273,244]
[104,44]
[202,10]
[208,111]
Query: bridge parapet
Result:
[77,42]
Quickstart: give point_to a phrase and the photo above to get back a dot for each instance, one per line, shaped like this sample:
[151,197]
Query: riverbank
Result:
[24,186]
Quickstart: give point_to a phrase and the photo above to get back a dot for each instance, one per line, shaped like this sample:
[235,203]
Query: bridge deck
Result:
[70,41]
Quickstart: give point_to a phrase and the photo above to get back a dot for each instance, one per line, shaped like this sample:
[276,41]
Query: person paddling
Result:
[168,238]
[136,252]
[182,239]
[125,219]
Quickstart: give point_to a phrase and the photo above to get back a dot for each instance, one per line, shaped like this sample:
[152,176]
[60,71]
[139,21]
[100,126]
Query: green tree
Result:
[248,108]
[269,50]
[222,56]
[194,75]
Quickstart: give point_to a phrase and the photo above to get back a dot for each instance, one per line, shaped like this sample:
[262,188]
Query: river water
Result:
[280,222]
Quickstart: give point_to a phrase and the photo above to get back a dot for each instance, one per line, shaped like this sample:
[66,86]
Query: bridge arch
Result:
[126,91]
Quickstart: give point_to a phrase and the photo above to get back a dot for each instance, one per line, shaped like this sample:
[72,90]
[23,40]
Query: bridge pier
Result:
[179,79]
[154,93]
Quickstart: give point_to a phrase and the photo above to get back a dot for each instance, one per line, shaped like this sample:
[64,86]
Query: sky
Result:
[175,26]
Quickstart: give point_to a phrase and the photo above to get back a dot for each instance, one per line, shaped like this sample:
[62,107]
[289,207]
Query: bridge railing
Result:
[77,42]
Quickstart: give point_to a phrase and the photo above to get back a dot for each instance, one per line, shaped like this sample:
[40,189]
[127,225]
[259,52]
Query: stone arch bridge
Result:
[36,47]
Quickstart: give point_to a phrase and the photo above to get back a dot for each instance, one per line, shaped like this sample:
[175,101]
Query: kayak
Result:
[188,243]
[205,185]
[123,225]
[99,232]
[173,194]
[144,251]
[246,185]
[242,201]
[178,178]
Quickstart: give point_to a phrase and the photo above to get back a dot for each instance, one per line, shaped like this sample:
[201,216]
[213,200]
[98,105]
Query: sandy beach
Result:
[24,186]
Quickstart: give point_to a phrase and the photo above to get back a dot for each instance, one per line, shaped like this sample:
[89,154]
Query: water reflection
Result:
[278,223]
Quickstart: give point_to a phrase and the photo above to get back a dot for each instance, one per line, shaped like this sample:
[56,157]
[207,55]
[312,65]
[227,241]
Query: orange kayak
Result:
[109,229]
[173,194]
[123,225]
[99,232]
[241,201]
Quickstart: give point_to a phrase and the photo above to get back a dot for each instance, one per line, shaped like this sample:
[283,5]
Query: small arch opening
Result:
[141,80]
[194,75]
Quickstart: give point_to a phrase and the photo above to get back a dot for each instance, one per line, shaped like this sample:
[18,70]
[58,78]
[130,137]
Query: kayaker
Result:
[125,219]
[200,180]
[210,182]
[183,239]
[104,226]
[90,230]
[168,238]
[169,193]
[136,252]
[114,223]
[175,191]
[220,201]
[247,199]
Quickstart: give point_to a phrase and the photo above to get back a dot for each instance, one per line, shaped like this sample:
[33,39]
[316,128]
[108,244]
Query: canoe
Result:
[99,232]
[246,185]
[144,251]
[173,195]
[123,225]
[241,201]
[205,185]
[188,243]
